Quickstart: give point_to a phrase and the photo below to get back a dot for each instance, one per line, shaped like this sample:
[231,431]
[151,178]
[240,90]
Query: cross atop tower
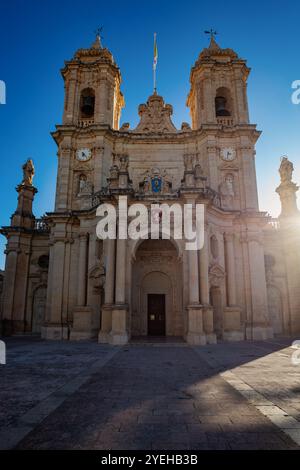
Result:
[212,33]
[98,42]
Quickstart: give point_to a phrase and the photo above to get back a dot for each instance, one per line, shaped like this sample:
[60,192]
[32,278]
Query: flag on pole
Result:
[155,56]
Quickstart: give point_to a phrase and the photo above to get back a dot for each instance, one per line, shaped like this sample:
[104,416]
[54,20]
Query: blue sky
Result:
[37,36]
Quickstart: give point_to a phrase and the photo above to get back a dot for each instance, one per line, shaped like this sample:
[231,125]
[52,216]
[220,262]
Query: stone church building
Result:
[63,282]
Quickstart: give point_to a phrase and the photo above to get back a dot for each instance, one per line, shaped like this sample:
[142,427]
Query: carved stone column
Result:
[195,333]
[259,327]
[193,278]
[110,271]
[106,314]
[232,313]
[54,327]
[208,322]
[203,270]
[83,327]
[230,268]
[9,289]
[82,265]
[119,333]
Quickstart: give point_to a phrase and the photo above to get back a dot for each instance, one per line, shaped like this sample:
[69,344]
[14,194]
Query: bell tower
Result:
[92,88]
[218,93]
[93,104]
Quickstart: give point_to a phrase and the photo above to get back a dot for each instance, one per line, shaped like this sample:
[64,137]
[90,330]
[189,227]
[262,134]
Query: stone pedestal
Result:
[83,324]
[208,324]
[195,334]
[119,331]
[259,332]
[106,323]
[232,324]
[55,331]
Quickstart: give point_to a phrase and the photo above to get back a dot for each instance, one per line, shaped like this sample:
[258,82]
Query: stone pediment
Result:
[155,116]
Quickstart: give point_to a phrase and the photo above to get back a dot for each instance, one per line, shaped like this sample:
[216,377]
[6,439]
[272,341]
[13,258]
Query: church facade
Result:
[61,281]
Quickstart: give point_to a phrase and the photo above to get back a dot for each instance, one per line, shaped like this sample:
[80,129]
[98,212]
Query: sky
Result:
[36,36]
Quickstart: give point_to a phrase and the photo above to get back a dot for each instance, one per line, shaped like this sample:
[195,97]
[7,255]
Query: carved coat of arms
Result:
[155,182]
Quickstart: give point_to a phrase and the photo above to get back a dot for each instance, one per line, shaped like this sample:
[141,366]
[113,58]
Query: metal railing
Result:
[85,122]
[225,121]
[41,225]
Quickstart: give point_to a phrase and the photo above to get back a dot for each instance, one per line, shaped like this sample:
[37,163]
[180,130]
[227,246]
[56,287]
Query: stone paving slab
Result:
[264,374]
[141,397]
[37,379]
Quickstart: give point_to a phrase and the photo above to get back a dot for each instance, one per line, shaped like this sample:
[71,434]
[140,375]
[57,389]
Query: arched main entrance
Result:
[157,290]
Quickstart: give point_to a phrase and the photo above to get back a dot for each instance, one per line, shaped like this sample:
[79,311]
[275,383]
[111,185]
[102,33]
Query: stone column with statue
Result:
[289,230]
[18,254]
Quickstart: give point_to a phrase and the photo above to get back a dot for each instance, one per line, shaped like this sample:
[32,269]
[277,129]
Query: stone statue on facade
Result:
[227,192]
[287,189]
[28,173]
[286,170]
[198,171]
[123,159]
[166,183]
[188,162]
[147,183]
[85,186]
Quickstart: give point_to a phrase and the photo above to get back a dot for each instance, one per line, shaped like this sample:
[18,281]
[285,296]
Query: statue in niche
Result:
[166,183]
[113,180]
[147,183]
[28,172]
[198,171]
[188,162]
[114,172]
[85,187]
[123,163]
[200,179]
[227,191]
[286,170]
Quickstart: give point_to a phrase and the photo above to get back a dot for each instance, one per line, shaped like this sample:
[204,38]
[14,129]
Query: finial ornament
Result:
[98,41]
[28,172]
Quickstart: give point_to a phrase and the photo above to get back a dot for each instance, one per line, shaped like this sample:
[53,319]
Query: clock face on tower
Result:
[228,154]
[83,155]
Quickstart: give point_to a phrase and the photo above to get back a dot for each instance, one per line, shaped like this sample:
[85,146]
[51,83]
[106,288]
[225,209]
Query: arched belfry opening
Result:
[223,102]
[157,294]
[87,103]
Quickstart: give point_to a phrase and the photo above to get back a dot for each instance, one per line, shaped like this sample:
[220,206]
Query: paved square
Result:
[63,395]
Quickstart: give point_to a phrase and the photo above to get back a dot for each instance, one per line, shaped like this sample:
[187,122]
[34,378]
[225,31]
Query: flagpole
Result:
[154,64]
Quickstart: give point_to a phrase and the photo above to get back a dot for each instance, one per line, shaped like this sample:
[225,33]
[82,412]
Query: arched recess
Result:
[87,103]
[156,269]
[175,243]
[223,102]
[38,308]
[275,309]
